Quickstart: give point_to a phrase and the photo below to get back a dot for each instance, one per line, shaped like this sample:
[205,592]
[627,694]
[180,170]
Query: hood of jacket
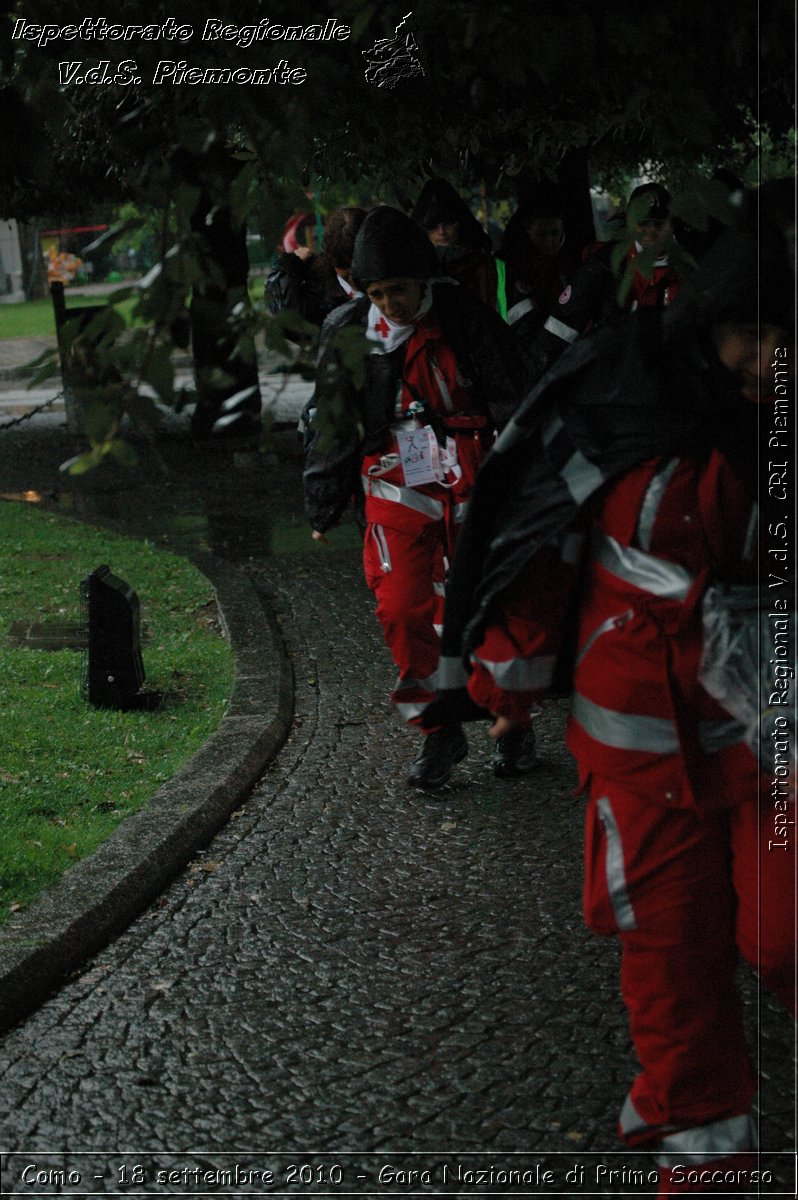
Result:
[439,203]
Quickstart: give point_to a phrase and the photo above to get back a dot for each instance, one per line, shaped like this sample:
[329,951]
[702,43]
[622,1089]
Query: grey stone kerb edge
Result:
[100,895]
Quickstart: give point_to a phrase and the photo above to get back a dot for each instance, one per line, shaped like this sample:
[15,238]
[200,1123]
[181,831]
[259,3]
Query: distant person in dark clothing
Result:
[532,251]
[463,247]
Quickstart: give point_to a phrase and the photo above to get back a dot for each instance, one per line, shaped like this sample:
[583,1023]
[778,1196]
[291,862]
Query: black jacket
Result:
[306,286]
[646,387]
[354,418]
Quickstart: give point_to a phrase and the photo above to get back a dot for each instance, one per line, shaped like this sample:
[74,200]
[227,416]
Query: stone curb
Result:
[100,896]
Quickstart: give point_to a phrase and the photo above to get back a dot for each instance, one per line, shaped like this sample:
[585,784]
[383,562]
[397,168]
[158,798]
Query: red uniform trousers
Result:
[405,569]
[685,890]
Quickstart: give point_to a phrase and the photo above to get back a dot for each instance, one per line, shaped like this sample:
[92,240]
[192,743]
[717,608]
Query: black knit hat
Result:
[391,246]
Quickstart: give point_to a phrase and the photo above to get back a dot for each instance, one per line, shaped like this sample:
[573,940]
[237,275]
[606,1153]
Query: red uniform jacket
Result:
[639,713]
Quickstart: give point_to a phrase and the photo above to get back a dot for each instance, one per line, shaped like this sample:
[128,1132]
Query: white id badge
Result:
[449,455]
[419,452]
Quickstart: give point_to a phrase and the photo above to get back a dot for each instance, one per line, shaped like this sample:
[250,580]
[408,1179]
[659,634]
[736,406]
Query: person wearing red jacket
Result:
[641,450]
[441,376]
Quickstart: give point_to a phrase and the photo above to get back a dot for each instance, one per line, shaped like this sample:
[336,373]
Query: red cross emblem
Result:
[382,327]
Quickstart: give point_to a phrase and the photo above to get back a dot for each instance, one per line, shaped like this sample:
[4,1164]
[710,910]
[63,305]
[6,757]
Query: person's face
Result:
[654,233]
[749,352]
[443,234]
[397,299]
[545,234]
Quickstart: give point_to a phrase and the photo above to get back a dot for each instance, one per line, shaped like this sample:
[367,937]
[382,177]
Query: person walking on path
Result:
[641,445]
[441,375]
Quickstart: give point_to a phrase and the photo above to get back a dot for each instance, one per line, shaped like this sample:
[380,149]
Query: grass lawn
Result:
[34,318]
[69,772]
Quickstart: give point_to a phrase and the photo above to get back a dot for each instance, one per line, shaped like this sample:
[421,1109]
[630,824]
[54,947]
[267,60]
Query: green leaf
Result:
[361,22]
[82,462]
[47,370]
[644,263]
[159,373]
[625,285]
[123,452]
[701,200]
[98,420]
[618,255]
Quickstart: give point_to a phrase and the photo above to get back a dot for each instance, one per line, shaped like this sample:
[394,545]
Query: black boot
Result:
[515,754]
[432,767]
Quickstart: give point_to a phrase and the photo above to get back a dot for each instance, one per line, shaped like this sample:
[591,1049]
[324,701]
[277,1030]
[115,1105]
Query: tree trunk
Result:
[220,370]
[34,271]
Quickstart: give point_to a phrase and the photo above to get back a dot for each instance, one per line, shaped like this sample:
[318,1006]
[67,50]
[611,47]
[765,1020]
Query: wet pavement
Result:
[354,982]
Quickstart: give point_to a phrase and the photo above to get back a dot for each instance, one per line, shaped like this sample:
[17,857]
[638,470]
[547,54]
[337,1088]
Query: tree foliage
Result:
[508,91]
[506,88]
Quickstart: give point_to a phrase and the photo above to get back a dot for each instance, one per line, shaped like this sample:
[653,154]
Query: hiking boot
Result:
[432,766]
[515,754]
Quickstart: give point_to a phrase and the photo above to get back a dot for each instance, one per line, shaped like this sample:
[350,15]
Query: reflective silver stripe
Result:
[460,511]
[520,674]
[442,388]
[749,548]
[625,731]
[508,437]
[382,547]
[408,709]
[439,589]
[611,623]
[451,672]
[560,330]
[519,310]
[652,501]
[581,476]
[715,735]
[630,1122]
[551,429]
[644,571]
[404,495]
[409,712]
[704,1143]
[652,735]
[429,684]
[614,868]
